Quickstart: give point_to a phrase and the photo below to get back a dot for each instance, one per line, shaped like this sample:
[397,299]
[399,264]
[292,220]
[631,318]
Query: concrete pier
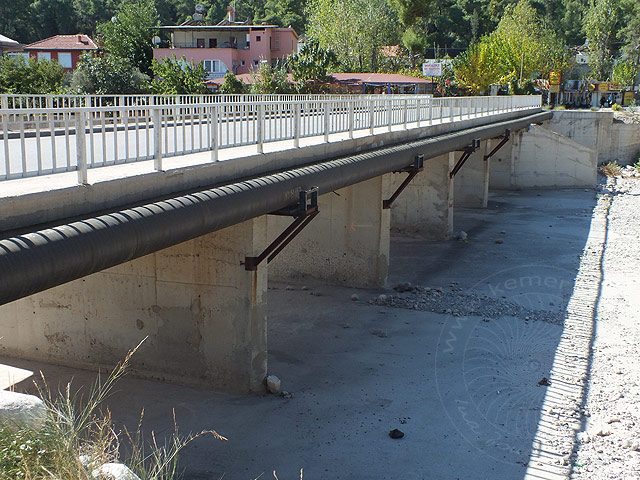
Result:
[425,207]
[203,313]
[346,244]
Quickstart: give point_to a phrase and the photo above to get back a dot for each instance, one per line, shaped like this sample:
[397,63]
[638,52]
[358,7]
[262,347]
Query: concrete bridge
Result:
[160,219]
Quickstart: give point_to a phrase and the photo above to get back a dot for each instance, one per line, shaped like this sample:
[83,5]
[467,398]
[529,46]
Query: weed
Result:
[611,169]
[78,436]
[595,109]
[560,107]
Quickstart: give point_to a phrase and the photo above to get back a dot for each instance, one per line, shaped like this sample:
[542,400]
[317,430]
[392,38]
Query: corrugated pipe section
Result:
[33,262]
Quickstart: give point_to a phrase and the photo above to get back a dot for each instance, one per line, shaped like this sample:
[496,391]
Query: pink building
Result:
[228,46]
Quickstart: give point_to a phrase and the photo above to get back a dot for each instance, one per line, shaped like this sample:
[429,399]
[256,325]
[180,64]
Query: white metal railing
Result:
[40,140]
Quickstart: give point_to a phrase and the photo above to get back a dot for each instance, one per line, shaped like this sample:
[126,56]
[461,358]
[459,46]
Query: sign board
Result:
[432,69]
[627,98]
[554,88]
[614,86]
[554,78]
[603,87]
[592,87]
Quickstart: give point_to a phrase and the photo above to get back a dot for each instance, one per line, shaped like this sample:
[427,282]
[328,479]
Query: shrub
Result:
[595,109]
[611,169]
[615,107]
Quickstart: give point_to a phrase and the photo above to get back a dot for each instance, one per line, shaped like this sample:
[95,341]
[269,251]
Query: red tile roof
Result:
[64,42]
[377,78]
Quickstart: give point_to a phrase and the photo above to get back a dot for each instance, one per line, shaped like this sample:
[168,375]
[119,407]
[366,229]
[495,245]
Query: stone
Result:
[382,298]
[273,384]
[404,287]
[499,240]
[18,410]
[463,236]
[355,297]
[114,471]
[395,433]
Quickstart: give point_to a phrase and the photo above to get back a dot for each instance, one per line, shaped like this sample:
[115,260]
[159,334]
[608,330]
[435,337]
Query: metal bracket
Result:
[475,144]
[505,139]
[304,211]
[412,170]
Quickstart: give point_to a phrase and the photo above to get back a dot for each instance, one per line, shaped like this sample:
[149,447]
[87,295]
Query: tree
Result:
[409,11]
[129,34]
[311,65]
[354,29]
[178,77]
[600,25]
[107,74]
[231,85]
[631,37]
[268,79]
[285,13]
[476,68]
[625,74]
[18,75]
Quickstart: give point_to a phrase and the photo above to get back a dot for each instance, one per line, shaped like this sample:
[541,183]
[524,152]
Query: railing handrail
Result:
[138,128]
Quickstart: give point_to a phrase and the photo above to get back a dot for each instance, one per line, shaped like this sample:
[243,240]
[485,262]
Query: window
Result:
[255,63]
[200,42]
[242,63]
[44,56]
[213,43]
[64,59]
[258,38]
[212,66]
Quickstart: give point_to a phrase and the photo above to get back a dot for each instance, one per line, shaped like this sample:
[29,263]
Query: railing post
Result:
[451,108]
[214,133]
[260,127]
[431,110]
[326,121]
[389,103]
[81,147]
[418,111]
[351,117]
[372,115]
[4,104]
[406,105]
[296,124]
[157,139]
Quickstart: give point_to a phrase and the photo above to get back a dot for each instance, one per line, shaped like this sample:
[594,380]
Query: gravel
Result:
[609,449]
[453,301]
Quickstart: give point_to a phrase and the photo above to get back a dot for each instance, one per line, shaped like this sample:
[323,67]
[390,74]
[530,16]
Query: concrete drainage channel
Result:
[465,357]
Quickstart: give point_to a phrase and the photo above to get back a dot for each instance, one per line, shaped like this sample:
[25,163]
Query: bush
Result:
[611,169]
[107,74]
[231,84]
[178,77]
[615,107]
[18,75]
[595,109]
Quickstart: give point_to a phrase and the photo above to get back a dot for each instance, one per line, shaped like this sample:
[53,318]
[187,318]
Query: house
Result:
[65,49]
[228,46]
[382,83]
[8,45]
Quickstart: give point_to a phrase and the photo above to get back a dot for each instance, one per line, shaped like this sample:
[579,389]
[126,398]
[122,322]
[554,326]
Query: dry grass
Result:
[78,436]
[611,169]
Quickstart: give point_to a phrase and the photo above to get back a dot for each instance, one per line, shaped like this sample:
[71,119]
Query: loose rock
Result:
[273,384]
[395,433]
[114,471]
[18,410]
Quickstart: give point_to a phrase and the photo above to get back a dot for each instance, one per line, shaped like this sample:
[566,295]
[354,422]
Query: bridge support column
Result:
[346,244]
[425,207]
[203,313]
[472,181]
